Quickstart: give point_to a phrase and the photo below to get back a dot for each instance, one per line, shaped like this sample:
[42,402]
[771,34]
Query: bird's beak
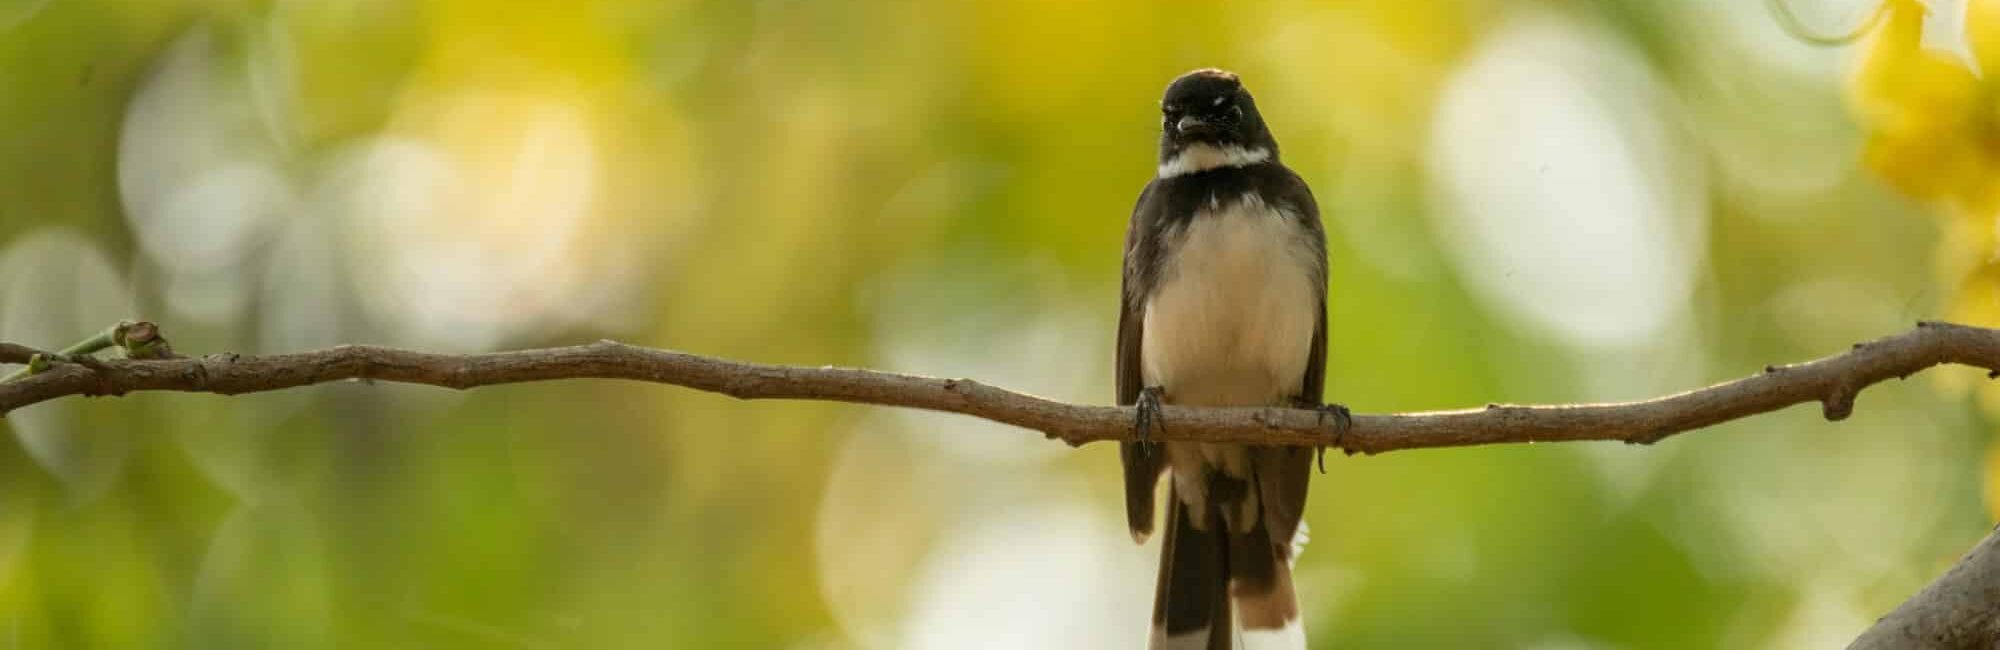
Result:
[1190,123]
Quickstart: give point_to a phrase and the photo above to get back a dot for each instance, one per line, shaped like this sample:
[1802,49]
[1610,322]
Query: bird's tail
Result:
[1212,580]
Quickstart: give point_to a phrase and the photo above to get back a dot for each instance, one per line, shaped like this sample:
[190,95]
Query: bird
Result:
[1223,303]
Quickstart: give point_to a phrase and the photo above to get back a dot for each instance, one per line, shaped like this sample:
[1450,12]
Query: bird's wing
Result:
[1143,462]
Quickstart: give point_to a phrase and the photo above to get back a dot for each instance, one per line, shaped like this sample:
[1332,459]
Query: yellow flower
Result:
[1934,134]
[1982,32]
[1931,133]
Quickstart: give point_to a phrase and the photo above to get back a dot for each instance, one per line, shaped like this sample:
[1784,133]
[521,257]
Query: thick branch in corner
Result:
[1833,381]
[1958,610]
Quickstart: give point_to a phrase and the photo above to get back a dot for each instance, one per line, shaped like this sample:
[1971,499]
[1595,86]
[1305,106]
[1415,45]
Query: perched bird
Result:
[1224,304]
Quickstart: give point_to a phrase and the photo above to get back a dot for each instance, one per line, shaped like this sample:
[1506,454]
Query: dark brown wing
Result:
[1143,465]
[1282,472]
[1313,389]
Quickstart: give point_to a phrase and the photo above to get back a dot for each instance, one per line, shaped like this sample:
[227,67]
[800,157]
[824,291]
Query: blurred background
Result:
[1548,201]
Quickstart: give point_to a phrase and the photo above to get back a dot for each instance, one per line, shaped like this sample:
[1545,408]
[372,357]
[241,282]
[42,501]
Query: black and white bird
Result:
[1224,304]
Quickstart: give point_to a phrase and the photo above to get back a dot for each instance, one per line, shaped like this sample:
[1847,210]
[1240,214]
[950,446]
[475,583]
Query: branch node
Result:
[1838,404]
[142,340]
[1649,437]
[40,362]
[198,373]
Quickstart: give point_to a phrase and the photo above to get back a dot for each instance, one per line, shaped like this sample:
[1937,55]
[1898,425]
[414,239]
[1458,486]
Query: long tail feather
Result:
[1260,586]
[1191,608]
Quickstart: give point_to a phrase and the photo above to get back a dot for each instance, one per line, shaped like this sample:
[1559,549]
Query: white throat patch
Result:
[1201,157]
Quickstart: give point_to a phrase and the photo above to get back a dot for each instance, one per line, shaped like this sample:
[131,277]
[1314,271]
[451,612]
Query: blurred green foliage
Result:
[1526,202]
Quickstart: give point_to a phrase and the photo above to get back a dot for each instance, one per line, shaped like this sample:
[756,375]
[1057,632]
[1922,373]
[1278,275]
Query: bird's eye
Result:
[1236,111]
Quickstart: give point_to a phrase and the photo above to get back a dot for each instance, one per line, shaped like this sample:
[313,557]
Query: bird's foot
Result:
[1149,415]
[1343,420]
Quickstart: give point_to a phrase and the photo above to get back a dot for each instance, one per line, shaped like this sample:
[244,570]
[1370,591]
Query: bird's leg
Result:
[1149,416]
[1343,420]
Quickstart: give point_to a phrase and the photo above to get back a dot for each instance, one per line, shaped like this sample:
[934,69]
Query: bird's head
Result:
[1208,120]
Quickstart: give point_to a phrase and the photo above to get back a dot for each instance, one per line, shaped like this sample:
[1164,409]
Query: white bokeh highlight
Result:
[919,548]
[57,287]
[463,222]
[1767,106]
[469,244]
[200,176]
[1565,197]
[1045,572]
[195,171]
[924,323]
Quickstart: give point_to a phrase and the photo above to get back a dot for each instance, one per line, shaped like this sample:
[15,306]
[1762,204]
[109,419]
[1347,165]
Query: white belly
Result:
[1232,321]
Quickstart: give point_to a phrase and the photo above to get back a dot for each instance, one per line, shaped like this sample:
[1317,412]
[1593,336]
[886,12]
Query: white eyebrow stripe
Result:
[1202,157]
[1219,100]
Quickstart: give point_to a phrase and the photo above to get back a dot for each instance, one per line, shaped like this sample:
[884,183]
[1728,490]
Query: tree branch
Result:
[1956,611]
[1832,381]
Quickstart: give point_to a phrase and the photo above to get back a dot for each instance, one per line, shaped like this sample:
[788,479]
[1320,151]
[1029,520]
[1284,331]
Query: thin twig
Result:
[1832,381]
[139,340]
